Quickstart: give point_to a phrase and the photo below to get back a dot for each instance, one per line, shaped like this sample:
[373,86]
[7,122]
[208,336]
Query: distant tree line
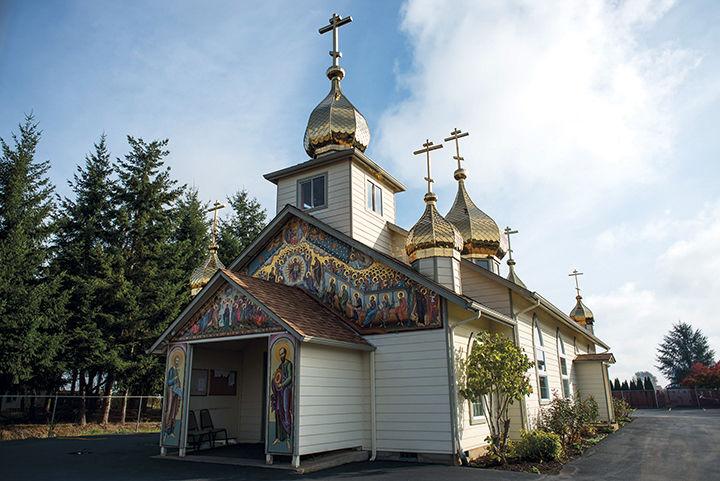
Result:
[89,281]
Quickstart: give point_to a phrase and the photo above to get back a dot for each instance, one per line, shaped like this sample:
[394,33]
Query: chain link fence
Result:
[54,409]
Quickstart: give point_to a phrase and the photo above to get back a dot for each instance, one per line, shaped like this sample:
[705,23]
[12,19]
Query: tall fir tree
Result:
[30,300]
[191,236]
[86,267]
[246,220]
[682,347]
[145,197]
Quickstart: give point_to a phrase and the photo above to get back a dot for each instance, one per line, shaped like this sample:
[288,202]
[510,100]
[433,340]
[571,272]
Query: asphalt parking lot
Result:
[657,446]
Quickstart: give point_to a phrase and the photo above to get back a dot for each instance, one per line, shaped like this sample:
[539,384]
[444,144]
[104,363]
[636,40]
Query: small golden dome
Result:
[204,272]
[481,235]
[335,124]
[432,235]
[581,313]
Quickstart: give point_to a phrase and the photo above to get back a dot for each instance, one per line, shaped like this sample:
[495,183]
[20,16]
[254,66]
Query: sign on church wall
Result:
[281,406]
[227,313]
[366,293]
[173,401]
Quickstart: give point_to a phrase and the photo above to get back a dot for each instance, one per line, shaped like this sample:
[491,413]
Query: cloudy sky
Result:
[594,126]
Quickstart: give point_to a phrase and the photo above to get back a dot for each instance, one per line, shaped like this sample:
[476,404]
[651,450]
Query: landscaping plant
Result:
[495,372]
[623,411]
[571,419]
[538,446]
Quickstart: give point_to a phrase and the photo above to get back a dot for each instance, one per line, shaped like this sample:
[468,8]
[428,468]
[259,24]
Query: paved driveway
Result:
[657,446]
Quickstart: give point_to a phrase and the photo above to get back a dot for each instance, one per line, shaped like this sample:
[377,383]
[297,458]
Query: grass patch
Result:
[34,431]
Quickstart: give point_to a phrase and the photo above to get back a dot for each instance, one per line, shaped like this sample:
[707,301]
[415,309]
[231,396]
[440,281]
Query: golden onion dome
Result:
[335,124]
[432,235]
[581,313]
[481,235]
[204,272]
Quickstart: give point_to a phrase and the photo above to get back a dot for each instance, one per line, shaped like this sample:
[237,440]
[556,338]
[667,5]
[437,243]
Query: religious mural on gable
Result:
[228,313]
[366,293]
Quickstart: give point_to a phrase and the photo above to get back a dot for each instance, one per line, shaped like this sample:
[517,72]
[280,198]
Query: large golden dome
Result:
[432,235]
[204,272]
[481,235]
[335,124]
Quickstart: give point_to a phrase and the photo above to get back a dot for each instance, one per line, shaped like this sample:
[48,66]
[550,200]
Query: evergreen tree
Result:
[85,265]
[633,385]
[191,236]
[30,301]
[625,386]
[648,385]
[682,347]
[145,198]
[616,385]
[246,220]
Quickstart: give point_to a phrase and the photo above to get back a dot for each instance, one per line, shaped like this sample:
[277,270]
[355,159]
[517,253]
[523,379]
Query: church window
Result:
[564,373]
[540,363]
[374,197]
[312,192]
[477,412]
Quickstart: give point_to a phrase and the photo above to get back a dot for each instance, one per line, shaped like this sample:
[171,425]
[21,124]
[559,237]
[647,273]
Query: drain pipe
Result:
[373,420]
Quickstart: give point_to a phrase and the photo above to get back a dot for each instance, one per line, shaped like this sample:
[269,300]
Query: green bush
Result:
[571,419]
[623,411]
[538,446]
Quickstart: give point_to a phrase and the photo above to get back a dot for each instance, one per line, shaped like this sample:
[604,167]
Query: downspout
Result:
[453,384]
[373,420]
[516,333]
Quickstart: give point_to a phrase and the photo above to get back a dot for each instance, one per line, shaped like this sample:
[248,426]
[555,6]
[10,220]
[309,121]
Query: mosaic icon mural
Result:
[174,395]
[366,293]
[228,313]
[281,409]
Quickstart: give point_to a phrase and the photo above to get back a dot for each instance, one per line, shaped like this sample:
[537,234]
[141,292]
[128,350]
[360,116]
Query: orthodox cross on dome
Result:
[456,135]
[336,21]
[508,233]
[427,148]
[214,209]
[575,274]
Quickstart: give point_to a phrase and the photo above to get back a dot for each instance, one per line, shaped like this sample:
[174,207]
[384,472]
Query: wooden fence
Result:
[670,398]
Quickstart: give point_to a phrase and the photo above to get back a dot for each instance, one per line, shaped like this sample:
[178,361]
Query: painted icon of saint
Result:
[174,396]
[281,399]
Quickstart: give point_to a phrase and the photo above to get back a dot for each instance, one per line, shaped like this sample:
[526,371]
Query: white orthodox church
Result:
[338,330]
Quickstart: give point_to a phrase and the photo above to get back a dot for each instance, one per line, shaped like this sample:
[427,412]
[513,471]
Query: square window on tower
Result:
[311,192]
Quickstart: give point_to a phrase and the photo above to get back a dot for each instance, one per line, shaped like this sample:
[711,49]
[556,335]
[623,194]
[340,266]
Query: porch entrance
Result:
[228,387]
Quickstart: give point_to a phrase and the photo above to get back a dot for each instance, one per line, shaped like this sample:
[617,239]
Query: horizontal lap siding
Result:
[337,212]
[484,290]
[412,392]
[591,383]
[334,399]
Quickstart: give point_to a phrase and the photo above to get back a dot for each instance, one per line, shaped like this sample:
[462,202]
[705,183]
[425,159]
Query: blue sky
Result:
[593,124]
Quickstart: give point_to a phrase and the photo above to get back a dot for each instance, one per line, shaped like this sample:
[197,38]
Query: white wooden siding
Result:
[369,227]
[591,382]
[412,392]
[337,212]
[484,290]
[251,399]
[334,399]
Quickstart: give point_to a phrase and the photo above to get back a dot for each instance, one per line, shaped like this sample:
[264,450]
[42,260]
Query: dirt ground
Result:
[31,431]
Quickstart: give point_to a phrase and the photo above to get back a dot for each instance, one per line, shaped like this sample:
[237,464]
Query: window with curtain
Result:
[540,363]
[564,370]
[374,197]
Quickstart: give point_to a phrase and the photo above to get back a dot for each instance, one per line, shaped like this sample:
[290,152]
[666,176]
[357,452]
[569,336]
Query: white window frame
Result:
[476,417]
[370,198]
[311,180]
[539,350]
[563,361]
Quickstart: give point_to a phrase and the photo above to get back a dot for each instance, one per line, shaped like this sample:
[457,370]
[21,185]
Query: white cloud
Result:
[557,94]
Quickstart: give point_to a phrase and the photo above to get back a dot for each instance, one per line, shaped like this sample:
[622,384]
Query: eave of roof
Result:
[332,157]
[600,357]
[533,296]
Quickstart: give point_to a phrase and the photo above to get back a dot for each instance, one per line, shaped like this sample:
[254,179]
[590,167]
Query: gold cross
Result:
[427,148]
[214,209]
[336,21]
[575,274]
[456,135]
[508,233]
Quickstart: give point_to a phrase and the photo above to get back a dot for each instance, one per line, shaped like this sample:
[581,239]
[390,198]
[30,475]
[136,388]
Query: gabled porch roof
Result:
[293,309]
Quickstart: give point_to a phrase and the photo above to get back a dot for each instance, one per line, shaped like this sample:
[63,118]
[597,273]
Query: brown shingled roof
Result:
[604,357]
[297,309]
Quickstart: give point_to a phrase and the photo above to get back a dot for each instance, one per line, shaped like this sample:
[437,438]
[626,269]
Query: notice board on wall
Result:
[223,382]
